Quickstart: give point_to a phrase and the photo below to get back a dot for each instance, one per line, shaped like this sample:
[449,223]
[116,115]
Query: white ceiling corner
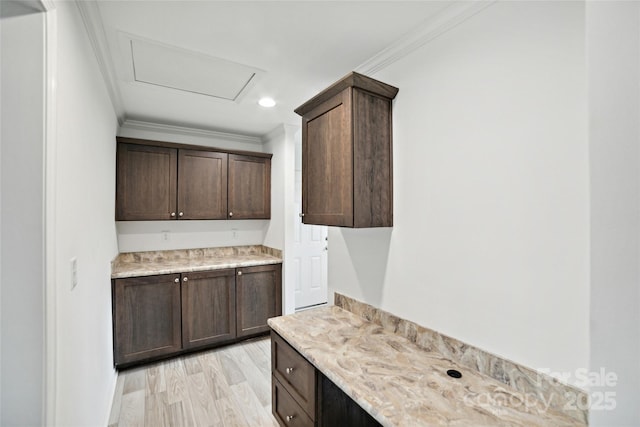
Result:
[304,46]
[431,28]
[90,13]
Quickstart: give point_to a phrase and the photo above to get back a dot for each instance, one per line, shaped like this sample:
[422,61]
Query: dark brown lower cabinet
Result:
[146,317]
[258,298]
[208,307]
[303,396]
[160,316]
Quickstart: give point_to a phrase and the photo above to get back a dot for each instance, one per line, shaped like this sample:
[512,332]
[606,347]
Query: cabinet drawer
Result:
[294,373]
[285,409]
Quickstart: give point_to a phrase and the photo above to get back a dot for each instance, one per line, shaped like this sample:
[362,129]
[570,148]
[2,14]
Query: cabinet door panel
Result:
[202,182]
[249,187]
[327,163]
[146,182]
[147,317]
[259,297]
[208,307]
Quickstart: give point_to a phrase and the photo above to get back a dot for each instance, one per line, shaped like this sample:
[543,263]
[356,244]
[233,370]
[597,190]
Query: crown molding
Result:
[47,5]
[189,131]
[448,18]
[282,129]
[90,14]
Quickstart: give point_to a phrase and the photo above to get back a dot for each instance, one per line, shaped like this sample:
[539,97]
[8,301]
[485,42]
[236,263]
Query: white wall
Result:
[490,242]
[22,219]
[279,235]
[85,228]
[613,51]
[136,236]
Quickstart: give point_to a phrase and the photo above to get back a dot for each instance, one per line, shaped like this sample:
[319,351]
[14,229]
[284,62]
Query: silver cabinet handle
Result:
[185,279]
[301,214]
[176,280]
[290,417]
[230,214]
[173,214]
[289,371]
[239,273]
[181,214]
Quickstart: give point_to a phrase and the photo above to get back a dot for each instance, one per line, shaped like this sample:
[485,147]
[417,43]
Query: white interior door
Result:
[309,251]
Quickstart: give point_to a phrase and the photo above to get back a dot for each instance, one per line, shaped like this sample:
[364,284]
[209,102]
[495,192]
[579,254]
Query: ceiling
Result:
[205,64]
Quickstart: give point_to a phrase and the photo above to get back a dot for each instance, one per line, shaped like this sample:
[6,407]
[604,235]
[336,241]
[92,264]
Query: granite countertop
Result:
[401,384]
[151,263]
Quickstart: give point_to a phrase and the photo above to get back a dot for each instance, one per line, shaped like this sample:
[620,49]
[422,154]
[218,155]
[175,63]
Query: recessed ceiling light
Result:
[267,102]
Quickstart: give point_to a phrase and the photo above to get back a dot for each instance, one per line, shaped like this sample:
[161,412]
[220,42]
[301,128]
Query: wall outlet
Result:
[165,235]
[74,272]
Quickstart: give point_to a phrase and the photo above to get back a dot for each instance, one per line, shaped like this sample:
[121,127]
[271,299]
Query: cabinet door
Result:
[202,185]
[258,297]
[327,163]
[208,307]
[147,317]
[146,182]
[249,187]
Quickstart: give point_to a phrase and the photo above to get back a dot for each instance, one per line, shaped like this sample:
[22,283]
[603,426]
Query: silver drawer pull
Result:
[176,280]
[289,371]
[185,279]
[290,417]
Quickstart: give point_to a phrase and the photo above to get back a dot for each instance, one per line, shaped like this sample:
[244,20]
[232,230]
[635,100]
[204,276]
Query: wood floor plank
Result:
[156,411]
[230,368]
[204,410]
[134,380]
[253,409]
[192,363]
[261,358]
[212,370]
[231,415]
[224,387]
[155,381]
[132,410]
[181,416]
[258,379]
[175,378]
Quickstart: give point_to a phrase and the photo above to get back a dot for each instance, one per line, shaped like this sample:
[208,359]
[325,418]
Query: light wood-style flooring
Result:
[228,386]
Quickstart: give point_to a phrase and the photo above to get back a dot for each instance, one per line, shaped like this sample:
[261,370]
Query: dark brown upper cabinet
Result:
[202,184]
[163,181]
[249,187]
[147,183]
[347,178]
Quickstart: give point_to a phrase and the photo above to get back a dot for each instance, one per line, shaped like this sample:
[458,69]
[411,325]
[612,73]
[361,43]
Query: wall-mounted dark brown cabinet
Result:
[347,178]
[164,181]
[165,315]
[249,187]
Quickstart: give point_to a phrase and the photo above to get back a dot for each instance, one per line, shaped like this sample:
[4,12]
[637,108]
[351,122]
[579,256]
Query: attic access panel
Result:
[189,71]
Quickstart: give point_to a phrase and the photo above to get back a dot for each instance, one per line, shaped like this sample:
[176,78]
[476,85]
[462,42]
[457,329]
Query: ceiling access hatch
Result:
[189,71]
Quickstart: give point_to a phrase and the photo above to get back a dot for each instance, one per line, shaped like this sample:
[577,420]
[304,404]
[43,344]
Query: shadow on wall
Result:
[369,253]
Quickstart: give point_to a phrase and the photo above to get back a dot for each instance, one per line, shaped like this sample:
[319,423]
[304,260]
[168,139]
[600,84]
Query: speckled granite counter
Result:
[134,264]
[401,384]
